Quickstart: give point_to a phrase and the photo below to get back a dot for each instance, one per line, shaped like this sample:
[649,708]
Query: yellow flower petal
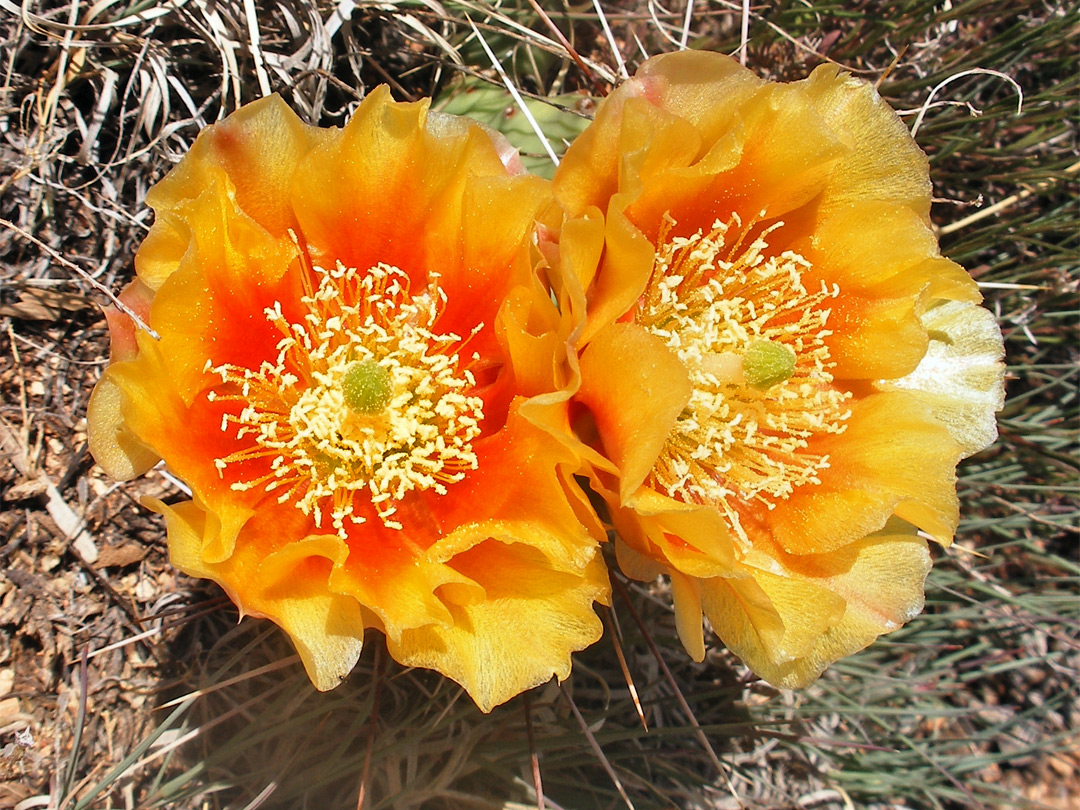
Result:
[287,586]
[519,632]
[961,377]
[882,162]
[695,539]
[872,474]
[686,594]
[254,152]
[876,338]
[656,383]
[824,610]
[115,448]
[770,620]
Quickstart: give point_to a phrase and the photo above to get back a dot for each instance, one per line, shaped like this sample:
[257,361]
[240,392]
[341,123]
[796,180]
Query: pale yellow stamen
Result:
[363,395]
[752,338]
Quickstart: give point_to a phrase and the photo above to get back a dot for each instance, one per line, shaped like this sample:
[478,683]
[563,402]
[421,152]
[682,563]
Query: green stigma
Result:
[367,387]
[766,364]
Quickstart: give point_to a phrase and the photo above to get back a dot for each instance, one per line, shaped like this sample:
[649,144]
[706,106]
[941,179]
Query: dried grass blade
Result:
[570,50]
[949,80]
[512,89]
[93,282]
[255,47]
[611,39]
[534,758]
[704,740]
[597,749]
[611,620]
[217,687]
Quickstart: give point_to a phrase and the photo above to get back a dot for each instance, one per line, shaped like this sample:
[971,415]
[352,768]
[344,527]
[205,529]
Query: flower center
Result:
[752,338]
[363,395]
[367,387]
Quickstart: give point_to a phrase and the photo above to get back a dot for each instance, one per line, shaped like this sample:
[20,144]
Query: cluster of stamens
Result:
[363,396]
[752,338]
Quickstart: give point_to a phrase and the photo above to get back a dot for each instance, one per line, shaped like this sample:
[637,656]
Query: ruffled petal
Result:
[877,249]
[882,162]
[823,608]
[871,476]
[285,583]
[116,449]
[694,539]
[255,152]
[961,377]
[516,630]
[624,364]
[768,619]
[875,338]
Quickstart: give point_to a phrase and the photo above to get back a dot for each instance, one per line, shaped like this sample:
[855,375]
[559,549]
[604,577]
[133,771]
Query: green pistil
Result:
[367,387]
[766,364]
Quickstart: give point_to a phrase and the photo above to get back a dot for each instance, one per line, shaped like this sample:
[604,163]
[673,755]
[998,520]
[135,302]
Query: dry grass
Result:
[124,684]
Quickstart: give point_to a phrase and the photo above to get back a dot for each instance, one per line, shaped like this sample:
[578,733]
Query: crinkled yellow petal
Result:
[961,378]
[112,443]
[686,596]
[848,599]
[703,87]
[497,215]
[609,257]
[386,155]
[233,265]
[288,587]
[878,248]
[534,346]
[875,338]
[187,436]
[529,572]
[790,153]
[884,259]
[651,143]
[255,150]
[519,632]
[768,617]
[894,458]
[635,564]
[627,262]
[693,538]
[883,162]
[624,364]
[398,587]
[118,451]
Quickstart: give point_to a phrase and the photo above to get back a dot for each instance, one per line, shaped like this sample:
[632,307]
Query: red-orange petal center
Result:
[365,395]
[753,339]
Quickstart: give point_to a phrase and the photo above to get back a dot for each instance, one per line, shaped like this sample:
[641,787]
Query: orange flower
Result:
[779,366]
[364,382]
